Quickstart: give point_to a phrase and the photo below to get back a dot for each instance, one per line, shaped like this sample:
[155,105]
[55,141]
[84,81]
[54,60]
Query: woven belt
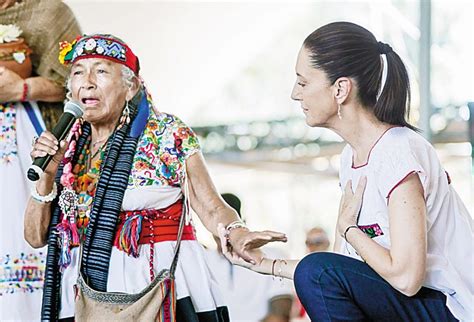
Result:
[150,226]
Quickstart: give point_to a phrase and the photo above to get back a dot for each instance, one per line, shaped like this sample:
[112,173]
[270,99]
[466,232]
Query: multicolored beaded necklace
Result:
[77,196]
[87,174]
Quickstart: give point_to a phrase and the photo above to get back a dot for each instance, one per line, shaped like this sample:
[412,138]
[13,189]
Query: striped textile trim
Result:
[107,202]
[34,118]
[167,312]
[52,277]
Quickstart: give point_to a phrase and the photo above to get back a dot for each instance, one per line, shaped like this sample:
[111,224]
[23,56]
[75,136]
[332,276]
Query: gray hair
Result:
[127,77]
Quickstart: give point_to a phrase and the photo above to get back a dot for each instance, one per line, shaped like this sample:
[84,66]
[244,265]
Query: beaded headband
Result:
[98,46]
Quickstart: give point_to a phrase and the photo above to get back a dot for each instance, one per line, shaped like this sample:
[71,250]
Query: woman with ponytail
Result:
[403,247]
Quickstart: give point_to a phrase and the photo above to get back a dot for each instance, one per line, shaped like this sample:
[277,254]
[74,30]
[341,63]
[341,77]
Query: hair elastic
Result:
[384,74]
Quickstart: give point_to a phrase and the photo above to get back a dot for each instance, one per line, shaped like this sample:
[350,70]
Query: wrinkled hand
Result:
[243,242]
[11,85]
[232,256]
[351,205]
[48,144]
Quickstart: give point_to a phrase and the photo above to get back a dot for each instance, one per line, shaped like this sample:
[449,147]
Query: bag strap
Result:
[184,218]
[79,263]
[174,263]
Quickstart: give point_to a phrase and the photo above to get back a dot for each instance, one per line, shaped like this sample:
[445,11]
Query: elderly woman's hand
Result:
[351,205]
[235,259]
[48,144]
[243,242]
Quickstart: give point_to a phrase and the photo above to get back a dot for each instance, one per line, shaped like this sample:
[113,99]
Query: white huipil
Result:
[21,266]
[155,184]
[398,153]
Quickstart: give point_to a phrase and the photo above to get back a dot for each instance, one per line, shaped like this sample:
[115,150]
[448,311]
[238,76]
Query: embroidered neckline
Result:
[370,151]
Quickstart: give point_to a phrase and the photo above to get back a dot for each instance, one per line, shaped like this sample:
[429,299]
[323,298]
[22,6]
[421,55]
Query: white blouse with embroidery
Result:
[398,153]
[155,182]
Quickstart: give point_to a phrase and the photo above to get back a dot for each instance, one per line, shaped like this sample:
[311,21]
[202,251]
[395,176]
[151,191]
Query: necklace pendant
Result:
[68,201]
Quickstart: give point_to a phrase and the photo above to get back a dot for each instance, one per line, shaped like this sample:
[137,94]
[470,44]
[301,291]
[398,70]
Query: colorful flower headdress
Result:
[98,46]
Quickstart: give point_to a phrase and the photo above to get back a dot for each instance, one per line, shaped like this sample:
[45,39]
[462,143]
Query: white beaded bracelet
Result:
[44,199]
[233,225]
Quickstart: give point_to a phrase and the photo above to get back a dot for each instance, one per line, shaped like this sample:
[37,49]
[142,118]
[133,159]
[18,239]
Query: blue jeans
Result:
[334,287]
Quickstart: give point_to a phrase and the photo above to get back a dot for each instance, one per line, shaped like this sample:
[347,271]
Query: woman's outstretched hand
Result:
[244,242]
[252,241]
[351,205]
[277,267]
[227,250]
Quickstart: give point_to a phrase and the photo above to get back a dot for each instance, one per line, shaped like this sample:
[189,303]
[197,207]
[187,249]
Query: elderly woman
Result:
[130,168]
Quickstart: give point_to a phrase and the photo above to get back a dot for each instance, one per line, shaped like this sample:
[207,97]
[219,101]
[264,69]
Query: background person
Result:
[24,103]
[316,240]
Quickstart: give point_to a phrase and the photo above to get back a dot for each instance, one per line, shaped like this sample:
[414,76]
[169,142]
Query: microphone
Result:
[72,111]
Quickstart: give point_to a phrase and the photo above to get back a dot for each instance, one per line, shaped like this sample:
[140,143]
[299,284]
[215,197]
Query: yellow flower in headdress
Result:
[65,51]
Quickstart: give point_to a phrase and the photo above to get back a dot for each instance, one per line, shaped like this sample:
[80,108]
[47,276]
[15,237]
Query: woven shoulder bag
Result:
[157,302]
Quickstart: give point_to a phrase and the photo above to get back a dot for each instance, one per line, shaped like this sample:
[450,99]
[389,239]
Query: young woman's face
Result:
[313,90]
[98,85]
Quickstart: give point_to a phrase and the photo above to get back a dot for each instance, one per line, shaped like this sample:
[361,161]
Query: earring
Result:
[339,115]
[125,115]
[125,118]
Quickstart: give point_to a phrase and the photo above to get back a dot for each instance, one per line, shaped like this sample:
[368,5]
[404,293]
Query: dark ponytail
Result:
[344,49]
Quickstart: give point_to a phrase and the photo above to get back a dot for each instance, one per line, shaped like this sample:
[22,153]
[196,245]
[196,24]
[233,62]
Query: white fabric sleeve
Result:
[394,167]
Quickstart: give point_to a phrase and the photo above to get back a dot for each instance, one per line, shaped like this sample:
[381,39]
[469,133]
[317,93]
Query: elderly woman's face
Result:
[98,85]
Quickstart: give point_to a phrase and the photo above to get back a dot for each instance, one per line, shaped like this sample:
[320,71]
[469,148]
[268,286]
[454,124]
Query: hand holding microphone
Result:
[50,145]
[47,146]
